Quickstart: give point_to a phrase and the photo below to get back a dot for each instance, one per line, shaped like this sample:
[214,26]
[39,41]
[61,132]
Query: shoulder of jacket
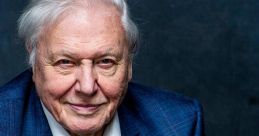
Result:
[17,87]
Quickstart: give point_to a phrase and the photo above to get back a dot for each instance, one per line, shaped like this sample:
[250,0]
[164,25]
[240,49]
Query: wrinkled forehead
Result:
[91,8]
[101,12]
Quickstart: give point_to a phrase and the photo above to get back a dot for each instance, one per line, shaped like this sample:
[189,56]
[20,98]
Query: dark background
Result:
[206,49]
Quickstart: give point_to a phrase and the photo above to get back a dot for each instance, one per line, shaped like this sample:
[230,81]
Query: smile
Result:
[85,109]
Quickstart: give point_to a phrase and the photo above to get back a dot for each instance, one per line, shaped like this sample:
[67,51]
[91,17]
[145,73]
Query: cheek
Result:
[113,90]
[114,87]
[52,85]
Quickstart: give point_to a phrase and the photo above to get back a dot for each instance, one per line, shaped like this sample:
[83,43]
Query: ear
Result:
[28,47]
[29,50]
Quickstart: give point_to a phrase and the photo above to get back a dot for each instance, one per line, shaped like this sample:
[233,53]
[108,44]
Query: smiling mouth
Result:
[85,109]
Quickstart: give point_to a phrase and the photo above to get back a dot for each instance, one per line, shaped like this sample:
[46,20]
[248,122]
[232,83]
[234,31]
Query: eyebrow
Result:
[66,53]
[99,54]
[107,52]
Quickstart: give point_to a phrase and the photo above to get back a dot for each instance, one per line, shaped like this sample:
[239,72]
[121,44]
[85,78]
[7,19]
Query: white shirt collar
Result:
[113,129]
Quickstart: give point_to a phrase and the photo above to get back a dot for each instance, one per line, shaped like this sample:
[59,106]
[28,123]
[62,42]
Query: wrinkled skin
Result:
[82,69]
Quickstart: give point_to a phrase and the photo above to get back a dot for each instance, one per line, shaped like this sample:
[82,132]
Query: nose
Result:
[86,81]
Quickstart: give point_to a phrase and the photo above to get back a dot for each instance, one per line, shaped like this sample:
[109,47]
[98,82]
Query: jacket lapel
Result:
[128,124]
[35,121]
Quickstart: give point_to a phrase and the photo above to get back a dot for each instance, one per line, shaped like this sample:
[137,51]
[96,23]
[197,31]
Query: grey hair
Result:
[41,13]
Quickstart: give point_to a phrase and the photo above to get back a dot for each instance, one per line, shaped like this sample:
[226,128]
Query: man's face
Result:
[82,69]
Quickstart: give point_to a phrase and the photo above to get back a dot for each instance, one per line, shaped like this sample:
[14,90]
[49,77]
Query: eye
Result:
[106,63]
[65,63]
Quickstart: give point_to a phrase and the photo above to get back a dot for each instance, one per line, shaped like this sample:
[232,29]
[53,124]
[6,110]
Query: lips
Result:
[85,109]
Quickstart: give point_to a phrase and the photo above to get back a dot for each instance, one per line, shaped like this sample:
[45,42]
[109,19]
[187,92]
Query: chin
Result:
[81,125]
[85,129]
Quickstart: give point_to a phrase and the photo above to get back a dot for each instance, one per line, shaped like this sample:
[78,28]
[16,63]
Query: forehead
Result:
[98,26]
[93,16]
[97,12]
[90,14]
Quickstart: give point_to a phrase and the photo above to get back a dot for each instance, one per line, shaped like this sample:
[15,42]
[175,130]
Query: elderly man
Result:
[81,53]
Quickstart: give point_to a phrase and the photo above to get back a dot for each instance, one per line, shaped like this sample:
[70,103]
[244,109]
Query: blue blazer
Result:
[143,112]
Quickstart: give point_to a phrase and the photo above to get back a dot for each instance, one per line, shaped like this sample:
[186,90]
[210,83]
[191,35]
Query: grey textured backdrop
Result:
[207,49]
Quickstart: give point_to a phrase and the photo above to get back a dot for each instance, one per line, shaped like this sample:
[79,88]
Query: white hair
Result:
[41,13]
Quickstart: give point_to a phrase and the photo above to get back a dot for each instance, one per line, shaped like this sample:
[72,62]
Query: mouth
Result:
[85,109]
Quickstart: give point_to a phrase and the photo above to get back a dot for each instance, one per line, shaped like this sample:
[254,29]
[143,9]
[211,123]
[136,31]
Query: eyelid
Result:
[106,65]
[64,62]
[113,60]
